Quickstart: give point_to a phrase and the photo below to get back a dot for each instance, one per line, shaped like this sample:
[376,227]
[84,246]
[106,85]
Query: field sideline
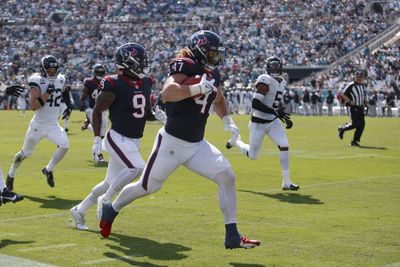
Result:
[347,212]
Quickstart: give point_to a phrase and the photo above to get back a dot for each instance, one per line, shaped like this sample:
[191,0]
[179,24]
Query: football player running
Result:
[127,97]
[91,89]
[181,141]
[267,109]
[46,100]
[6,195]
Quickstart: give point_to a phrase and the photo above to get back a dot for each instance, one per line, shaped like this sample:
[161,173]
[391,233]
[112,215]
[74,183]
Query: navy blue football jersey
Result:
[187,118]
[93,86]
[129,111]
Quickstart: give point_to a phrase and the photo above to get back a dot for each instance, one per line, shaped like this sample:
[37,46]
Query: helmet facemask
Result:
[274,68]
[50,67]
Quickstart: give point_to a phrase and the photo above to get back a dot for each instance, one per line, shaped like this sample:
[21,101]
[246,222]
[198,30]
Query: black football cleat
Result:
[228,145]
[291,187]
[9,196]
[354,143]
[49,177]
[10,183]
[340,133]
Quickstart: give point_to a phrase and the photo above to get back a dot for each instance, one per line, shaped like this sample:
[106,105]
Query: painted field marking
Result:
[47,247]
[11,261]
[103,260]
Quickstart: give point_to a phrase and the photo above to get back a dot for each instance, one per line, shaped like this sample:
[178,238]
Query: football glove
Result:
[281,114]
[14,90]
[229,125]
[160,115]
[50,89]
[66,114]
[289,123]
[96,148]
[205,86]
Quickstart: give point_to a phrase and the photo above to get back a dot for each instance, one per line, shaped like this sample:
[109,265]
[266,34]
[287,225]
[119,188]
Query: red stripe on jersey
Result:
[135,84]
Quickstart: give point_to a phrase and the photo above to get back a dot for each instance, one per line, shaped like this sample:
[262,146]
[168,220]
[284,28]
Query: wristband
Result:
[40,100]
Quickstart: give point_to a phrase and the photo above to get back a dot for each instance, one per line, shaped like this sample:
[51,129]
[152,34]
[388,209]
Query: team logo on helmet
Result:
[125,54]
[202,41]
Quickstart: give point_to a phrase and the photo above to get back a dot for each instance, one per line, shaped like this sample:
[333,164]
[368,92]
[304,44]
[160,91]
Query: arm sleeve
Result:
[256,104]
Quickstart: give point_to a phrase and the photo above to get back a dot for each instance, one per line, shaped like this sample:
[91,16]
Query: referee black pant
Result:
[357,122]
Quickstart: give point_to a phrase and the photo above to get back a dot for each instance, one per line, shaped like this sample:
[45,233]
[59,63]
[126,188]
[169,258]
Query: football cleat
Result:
[10,183]
[228,145]
[100,159]
[291,187]
[340,132]
[354,143]
[231,143]
[107,215]
[79,219]
[241,242]
[9,196]
[49,177]
[85,125]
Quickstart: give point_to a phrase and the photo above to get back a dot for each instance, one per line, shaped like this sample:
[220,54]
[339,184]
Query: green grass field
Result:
[347,212]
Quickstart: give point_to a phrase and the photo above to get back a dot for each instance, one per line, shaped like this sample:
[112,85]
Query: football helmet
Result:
[131,59]
[99,71]
[206,48]
[49,67]
[274,66]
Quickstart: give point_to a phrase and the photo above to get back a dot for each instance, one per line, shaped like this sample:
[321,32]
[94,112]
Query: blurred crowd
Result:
[81,33]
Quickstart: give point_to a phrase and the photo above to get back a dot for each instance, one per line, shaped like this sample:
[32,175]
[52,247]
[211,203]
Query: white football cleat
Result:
[79,219]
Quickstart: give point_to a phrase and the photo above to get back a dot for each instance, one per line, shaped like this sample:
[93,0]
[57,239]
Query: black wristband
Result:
[41,102]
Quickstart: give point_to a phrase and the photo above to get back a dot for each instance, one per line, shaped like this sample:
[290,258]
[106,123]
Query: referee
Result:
[354,96]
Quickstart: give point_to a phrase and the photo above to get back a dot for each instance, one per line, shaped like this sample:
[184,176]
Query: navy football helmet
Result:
[49,67]
[206,48]
[274,66]
[99,71]
[131,59]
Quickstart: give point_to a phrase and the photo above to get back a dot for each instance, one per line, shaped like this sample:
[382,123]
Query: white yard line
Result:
[45,216]
[47,247]
[104,260]
[8,234]
[11,261]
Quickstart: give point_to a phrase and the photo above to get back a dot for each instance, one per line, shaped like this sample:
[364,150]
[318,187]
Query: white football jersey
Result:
[273,97]
[50,111]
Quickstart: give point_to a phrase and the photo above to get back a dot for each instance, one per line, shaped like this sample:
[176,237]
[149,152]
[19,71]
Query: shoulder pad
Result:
[265,79]
[36,78]
[181,65]
[61,77]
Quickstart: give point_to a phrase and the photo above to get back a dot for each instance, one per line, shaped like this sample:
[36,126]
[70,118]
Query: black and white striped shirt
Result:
[356,93]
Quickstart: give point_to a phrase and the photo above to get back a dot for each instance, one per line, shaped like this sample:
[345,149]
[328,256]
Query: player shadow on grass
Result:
[373,147]
[236,264]
[136,247]
[7,242]
[97,165]
[294,198]
[53,202]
